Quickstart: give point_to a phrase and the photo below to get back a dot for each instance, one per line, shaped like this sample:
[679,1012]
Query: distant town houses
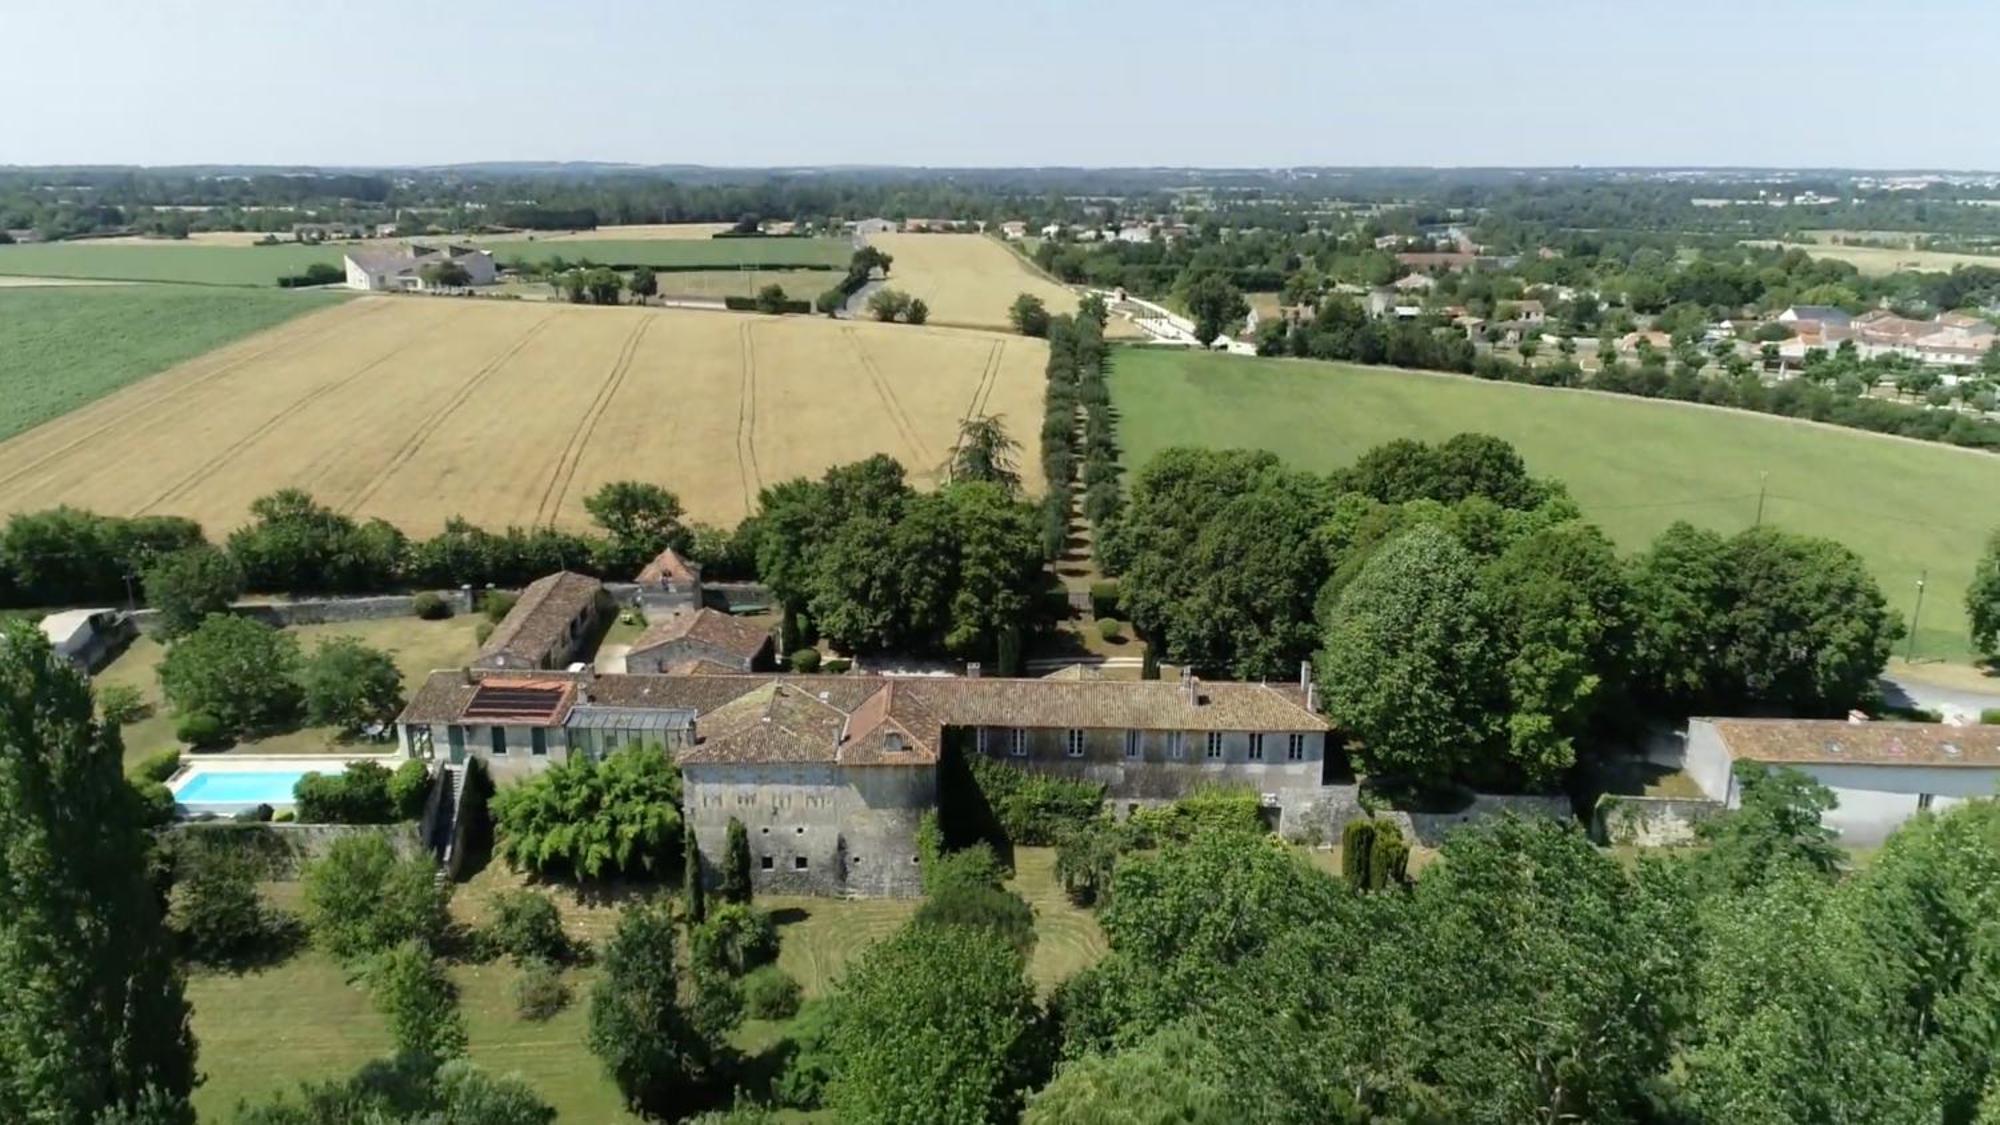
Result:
[1950,340]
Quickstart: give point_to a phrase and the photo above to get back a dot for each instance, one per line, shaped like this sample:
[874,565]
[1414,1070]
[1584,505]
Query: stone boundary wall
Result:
[321,611]
[289,847]
[1650,822]
[1318,815]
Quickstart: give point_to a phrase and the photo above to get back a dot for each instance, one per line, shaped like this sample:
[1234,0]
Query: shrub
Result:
[496,604]
[360,899]
[189,584]
[540,991]
[260,814]
[1110,630]
[418,1001]
[214,909]
[801,1084]
[156,803]
[1990,716]
[594,818]
[1357,840]
[986,905]
[357,795]
[200,730]
[1104,599]
[431,606]
[158,767]
[409,788]
[527,927]
[733,939]
[836,666]
[769,993]
[285,816]
[482,631]
[1034,808]
[1389,859]
[120,704]
[1211,810]
[1086,856]
[805,660]
[735,884]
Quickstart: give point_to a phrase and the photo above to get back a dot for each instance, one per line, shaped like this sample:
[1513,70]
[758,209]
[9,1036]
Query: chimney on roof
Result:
[972,670]
[1191,687]
[1305,674]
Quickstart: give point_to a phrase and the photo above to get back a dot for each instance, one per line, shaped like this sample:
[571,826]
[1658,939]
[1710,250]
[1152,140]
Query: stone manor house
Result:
[830,774]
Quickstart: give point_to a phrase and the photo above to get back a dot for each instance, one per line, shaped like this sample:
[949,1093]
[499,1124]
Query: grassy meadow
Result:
[215,264]
[268,1029]
[1908,508]
[64,346]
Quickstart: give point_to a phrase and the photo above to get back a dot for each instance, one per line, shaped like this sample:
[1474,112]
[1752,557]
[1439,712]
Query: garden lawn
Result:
[418,647]
[1908,508]
[64,346]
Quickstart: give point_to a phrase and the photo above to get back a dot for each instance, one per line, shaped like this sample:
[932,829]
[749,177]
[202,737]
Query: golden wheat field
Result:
[419,409]
[968,278]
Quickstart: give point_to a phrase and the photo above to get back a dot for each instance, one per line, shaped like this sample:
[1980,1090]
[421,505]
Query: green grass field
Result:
[1635,466]
[265,1031]
[263,265]
[62,347]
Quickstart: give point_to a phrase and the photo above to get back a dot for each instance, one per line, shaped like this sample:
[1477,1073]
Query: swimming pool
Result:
[231,786]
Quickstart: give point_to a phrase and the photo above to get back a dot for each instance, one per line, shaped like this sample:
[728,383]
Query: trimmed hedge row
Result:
[750,304]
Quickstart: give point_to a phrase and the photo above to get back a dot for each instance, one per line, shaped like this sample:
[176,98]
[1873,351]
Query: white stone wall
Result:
[814,828]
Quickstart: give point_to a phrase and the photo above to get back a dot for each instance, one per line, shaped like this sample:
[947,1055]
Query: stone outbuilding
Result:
[701,641]
[553,624]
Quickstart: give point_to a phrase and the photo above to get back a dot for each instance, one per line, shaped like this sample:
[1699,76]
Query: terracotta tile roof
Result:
[1838,742]
[874,720]
[540,618]
[735,635]
[699,668]
[669,566]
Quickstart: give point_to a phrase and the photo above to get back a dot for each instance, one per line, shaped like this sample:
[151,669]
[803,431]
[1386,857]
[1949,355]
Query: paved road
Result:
[1905,691]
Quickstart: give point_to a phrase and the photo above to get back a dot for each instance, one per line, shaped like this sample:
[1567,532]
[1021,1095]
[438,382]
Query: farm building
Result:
[87,638]
[403,269]
[831,774]
[700,641]
[1881,773]
[552,622]
[670,582]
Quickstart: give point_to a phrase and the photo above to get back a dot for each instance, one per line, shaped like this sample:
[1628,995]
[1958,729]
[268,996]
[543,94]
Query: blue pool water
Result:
[245,787]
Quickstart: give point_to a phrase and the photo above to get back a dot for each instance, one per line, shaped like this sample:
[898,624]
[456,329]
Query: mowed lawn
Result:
[267,1030]
[64,346]
[1910,509]
[418,647]
[214,264]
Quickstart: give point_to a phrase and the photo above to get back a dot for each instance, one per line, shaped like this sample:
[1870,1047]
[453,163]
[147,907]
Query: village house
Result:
[831,774]
[554,621]
[671,581]
[1014,229]
[695,641]
[1450,261]
[1414,283]
[1880,773]
[402,269]
[867,228]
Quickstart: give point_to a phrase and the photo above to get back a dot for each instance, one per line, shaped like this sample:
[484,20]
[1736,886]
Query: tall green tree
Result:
[591,819]
[735,885]
[640,1025]
[1411,666]
[1215,304]
[94,1020]
[985,453]
[418,1001]
[1982,597]
[189,584]
[1028,315]
[937,1023]
[242,672]
[642,519]
[693,890]
[349,685]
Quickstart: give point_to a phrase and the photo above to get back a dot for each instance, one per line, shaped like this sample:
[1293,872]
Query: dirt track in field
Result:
[418,409]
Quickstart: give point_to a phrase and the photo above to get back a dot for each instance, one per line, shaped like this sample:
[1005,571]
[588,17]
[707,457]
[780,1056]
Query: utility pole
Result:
[1762,477]
[1916,615]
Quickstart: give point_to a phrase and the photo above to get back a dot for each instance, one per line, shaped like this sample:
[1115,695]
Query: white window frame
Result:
[1295,747]
[1176,744]
[1256,751]
[1073,743]
[1133,745]
[979,735]
[1213,750]
[1017,742]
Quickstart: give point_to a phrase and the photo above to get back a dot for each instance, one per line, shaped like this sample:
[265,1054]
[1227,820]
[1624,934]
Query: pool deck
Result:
[262,763]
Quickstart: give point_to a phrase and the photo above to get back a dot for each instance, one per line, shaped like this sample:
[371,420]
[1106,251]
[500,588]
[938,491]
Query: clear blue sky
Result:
[1102,82]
